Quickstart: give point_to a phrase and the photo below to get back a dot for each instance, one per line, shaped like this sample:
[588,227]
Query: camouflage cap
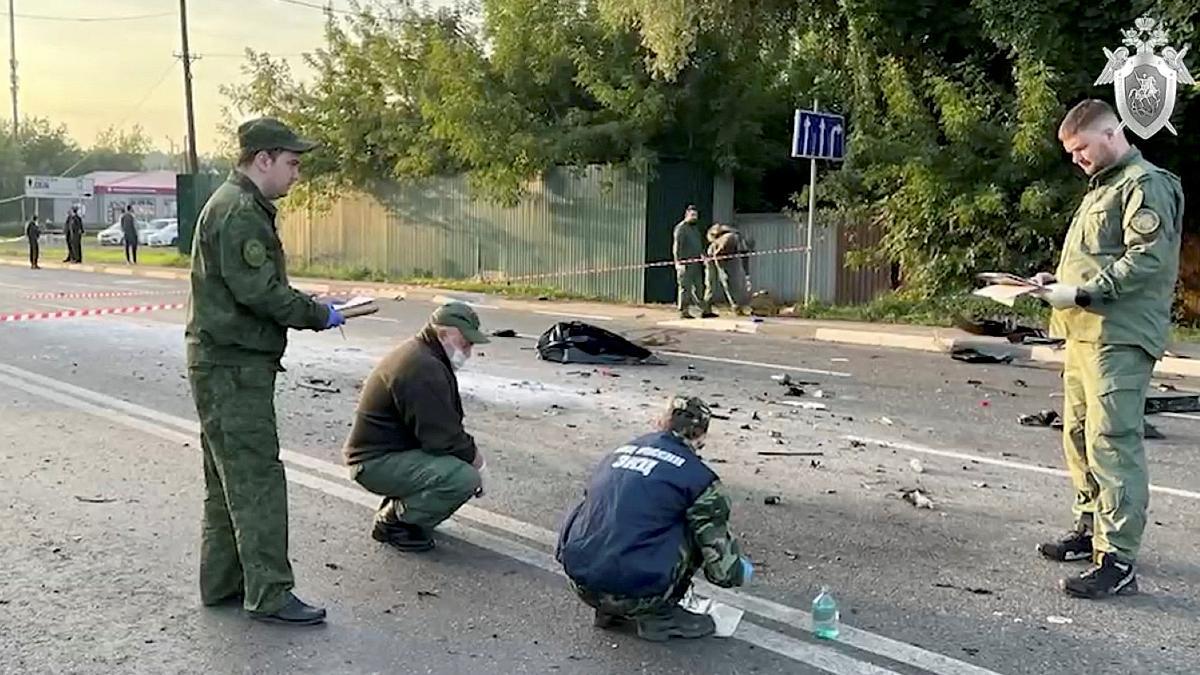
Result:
[268,133]
[689,415]
[459,315]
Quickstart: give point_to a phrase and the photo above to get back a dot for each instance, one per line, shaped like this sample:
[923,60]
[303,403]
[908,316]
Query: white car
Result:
[112,235]
[167,235]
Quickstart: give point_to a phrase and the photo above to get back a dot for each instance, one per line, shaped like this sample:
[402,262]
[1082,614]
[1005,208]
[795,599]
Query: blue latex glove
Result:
[747,571]
[335,318]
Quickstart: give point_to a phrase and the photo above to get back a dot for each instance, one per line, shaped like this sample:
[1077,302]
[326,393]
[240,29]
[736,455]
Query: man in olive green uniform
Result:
[1111,295]
[689,246]
[239,311]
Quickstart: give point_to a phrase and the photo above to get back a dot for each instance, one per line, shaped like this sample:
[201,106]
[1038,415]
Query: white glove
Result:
[1060,296]
[1043,279]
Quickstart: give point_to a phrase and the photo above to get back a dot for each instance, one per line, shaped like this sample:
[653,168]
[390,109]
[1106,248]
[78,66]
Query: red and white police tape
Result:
[660,263]
[98,294]
[95,311]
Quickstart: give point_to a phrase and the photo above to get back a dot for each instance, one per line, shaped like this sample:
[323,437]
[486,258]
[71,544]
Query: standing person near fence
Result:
[688,245]
[129,233]
[33,232]
[728,270]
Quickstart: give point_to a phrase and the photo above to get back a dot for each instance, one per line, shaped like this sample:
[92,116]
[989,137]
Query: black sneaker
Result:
[1110,577]
[709,315]
[1074,545]
[403,536]
[675,622]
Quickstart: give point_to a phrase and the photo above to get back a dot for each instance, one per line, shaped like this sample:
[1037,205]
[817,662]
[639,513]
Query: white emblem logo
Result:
[1145,83]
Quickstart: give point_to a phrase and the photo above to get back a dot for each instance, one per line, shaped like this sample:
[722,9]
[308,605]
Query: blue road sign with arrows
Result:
[817,135]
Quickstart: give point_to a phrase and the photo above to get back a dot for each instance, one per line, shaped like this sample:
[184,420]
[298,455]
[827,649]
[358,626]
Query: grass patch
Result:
[938,311]
[112,255]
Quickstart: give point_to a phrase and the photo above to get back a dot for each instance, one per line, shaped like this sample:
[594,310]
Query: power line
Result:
[323,8]
[89,19]
[133,111]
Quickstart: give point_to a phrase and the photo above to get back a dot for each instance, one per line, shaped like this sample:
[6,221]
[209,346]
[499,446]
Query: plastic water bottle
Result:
[825,615]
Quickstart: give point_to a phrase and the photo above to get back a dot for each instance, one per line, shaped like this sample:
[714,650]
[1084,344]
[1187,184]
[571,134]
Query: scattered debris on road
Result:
[1175,404]
[976,591]
[427,594]
[95,500]
[886,421]
[318,384]
[979,355]
[916,466]
[1059,620]
[504,333]
[690,377]
[772,500]
[780,453]
[804,405]
[918,499]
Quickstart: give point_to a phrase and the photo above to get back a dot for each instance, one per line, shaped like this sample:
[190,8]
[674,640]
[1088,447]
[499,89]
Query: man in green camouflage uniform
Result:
[729,268]
[1112,296]
[688,245]
[239,311]
[653,515]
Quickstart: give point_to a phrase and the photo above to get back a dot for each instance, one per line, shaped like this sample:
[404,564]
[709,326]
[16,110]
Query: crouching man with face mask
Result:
[407,443]
[651,517]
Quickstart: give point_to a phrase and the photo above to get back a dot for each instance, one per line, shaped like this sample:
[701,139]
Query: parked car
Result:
[153,227]
[112,235]
[167,235]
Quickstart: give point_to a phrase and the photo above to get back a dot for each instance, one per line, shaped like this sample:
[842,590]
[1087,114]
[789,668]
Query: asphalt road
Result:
[103,485]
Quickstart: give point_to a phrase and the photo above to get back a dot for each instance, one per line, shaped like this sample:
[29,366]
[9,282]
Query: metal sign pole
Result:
[812,205]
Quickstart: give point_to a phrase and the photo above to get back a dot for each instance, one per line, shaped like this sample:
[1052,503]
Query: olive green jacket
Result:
[1123,250]
[241,305]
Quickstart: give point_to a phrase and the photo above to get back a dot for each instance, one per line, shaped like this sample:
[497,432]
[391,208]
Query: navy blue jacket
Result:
[625,537]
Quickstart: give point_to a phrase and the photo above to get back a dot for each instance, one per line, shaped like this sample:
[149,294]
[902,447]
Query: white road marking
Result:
[912,447]
[572,315]
[443,299]
[379,318]
[1181,416]
[758,364]
[106,407]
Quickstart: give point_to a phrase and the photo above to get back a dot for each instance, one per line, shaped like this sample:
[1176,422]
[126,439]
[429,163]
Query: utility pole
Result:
[192,163]
[12,42]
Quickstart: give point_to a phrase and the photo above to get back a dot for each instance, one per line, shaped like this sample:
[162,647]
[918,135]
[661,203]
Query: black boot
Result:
[674,622]
[295,612]
[1110,577]
[1074,545]
[606,620]
[388,529]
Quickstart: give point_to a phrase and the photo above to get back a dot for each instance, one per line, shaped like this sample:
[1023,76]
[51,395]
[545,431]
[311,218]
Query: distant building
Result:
[151,193]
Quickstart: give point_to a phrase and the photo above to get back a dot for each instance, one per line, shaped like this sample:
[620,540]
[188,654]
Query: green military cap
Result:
[689,415]
[268,133]
[461,316]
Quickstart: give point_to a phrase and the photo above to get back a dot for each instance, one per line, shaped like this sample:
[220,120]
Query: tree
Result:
[116,150]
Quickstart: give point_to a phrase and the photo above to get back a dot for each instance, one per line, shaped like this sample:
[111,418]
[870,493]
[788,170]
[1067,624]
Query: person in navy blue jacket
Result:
[653,515]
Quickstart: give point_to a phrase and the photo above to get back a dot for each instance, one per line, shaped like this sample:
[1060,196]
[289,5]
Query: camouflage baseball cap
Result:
[268,133]
[689,415]
[460,315]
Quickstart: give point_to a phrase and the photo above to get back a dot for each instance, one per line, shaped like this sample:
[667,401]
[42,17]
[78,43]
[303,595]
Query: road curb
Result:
[941,340]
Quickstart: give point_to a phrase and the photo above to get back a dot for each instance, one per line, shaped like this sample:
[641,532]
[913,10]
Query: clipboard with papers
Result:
[360,305]
[1005,288]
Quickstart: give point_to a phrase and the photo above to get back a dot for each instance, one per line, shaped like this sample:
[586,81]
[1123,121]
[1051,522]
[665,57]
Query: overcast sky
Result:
[90,75]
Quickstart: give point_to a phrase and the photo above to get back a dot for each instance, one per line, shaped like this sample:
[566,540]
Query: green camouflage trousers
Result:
[1104,389]
[728,279]
[617,605]
[690,278]
[244,541]
[429,488]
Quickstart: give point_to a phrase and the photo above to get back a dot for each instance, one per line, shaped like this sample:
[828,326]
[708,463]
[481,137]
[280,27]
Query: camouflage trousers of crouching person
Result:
[629,607]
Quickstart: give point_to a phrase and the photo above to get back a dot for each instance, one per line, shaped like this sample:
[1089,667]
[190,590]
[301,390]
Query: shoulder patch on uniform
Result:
[1145,222]
[254,253]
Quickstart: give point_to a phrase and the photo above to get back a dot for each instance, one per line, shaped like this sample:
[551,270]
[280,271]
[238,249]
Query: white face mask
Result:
[458,358]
